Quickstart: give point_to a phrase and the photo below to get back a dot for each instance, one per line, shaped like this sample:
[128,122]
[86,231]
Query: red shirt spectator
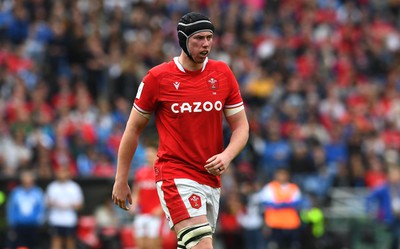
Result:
[375,174]
[104,167]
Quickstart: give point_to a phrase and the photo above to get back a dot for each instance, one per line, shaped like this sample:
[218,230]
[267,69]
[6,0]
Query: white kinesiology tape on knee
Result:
[181,245]
[191,236]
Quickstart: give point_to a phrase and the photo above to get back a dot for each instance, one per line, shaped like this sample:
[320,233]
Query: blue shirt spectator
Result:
[26,205]
[380,200]
[18,29]
[6,18]
[25,211]
[385,200]
[43,32]
[336,152]
[276,151]
[276,154]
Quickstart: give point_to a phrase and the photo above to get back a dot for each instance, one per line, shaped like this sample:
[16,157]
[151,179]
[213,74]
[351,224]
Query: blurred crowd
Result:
[320,80]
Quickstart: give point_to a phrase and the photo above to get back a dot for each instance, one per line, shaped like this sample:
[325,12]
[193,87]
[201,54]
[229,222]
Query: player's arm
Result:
[240,134]
[129,142]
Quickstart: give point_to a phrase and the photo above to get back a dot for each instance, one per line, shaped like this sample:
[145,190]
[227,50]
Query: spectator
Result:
[43,163]
[301,164]
[15,153]
[320,183]
[19,25]
[104,166]
[96,62]
[26,212]
[104,122]
[251,220]
[86,160]
[231,230]
[314,130]
[336,151]
[357,170]
[281,200]
[107,224]
[56,52]
[376,174]
[343,177]
[147,210]
[387,199]
[64,199]
[277,150]
[314,224]
[62,158]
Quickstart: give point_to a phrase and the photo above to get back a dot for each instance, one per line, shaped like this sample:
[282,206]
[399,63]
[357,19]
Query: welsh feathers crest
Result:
[213,84]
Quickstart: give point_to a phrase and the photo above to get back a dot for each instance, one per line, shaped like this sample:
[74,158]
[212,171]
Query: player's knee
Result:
[204,244]
[191,236]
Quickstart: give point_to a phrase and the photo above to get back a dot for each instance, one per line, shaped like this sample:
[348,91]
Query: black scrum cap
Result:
[190,24]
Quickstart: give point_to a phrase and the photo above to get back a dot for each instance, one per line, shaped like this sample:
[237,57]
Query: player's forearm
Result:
[237,143]
[126,151]
[239,137]
[128,145]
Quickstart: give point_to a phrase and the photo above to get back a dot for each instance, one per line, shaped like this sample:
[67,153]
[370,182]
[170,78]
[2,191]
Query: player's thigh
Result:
[190,222]
[182,199]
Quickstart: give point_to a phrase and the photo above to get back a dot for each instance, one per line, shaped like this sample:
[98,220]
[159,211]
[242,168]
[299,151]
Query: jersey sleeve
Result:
[147,96]
[234,103]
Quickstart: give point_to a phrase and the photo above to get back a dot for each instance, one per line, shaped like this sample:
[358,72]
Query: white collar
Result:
[180,67]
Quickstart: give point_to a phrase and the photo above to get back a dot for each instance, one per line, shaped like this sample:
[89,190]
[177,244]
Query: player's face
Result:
[200,46]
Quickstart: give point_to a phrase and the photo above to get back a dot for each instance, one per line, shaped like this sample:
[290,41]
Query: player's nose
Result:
[206,43]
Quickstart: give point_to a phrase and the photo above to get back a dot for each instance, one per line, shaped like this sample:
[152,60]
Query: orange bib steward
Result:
[282,218]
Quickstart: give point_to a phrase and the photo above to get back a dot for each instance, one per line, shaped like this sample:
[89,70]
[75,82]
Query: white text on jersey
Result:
[196,107]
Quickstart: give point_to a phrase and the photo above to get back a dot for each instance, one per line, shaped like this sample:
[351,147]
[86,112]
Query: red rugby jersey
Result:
[188,108]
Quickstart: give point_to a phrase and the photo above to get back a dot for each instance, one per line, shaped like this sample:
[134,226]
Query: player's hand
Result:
[121,194]
[216,165]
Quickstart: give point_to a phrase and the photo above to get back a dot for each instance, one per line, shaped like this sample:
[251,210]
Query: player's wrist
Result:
[229,155]
[120,182]
[121,178]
